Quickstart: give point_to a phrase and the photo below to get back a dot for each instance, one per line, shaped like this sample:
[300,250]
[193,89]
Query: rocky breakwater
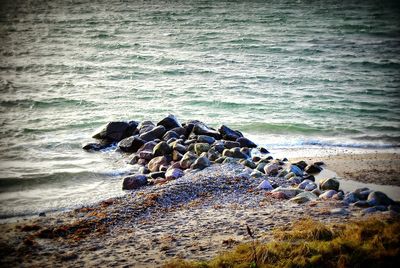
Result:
[168,150]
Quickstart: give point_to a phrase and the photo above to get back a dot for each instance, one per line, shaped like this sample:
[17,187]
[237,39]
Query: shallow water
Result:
[290,74]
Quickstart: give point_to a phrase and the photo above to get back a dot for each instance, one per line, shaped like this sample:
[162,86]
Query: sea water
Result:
[289,74]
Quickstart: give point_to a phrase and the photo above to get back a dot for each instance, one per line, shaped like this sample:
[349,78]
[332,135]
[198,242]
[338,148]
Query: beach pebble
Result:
[304,197]
[256,174]
[279,195]
[289,192]
[289,175]
[303,184]
[301,164]
[361,204]
[95,146]
[265,185]
[329,184]
[295,180]
[134,182]
[260,167]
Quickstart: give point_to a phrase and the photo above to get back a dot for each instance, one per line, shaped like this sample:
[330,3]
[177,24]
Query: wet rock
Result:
[317,192]
[146,155]
[364,192]
[170,135]
[319,163]
[133,159]
[219,147]
[176,156]
[158,174]
[95,146]
[144,170]
[263,150]
[296,170]
[201,148]
[187,160]
[303,197]
[309,177]
[179,147]
[145,126]
[256,158]
[328,194]
[173,173]
[229,134]
[201,163]
[329,184]
[350,198]
[155,133]
[260,167]
[301,164]
[134,182]
[378,198]
[202,129]
[116,131]
[271,169]
[230,144]
[205,139]
[162,148]
[248,163]
[313,169]
[289,192]
[131,144]
[220,160]
[148,146]
[155,163]
[265,185]
[256,174]
[310,187]
[42,214]
[244,142]
[395,208]
[181,131]
[169,122]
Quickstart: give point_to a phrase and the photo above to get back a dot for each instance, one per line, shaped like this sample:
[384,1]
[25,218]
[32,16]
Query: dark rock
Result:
[42,214]
[187,160]
[205,139]
[309,177]
[285,159]
[155,163]
[319,163]
[329,184]
[248,163]
[179,147]
[142,161]
[145,126]
[162,148]
[189,141]
[171,140]
[361,204]
[169,122]
[131,144]
[260,167]
[148,146]
[229,134]
[256,158]
[313,169]
[328,194]
[245,142]
[191,147]
[212,154]
[301,164]
[134,182]
[378,198]
[144,170]
[202,129]
[95,146]
[176,156]
[263,150]
[115,131]
[157,174]
[369,210]
[173,173]
[245,151]
[133,159]
[201,147]
[395,208]
[155,133]
[350,198]
[170,135]
[219,147]
[201,163]
[145,155]
[269,158]
[234,152]
[181,131]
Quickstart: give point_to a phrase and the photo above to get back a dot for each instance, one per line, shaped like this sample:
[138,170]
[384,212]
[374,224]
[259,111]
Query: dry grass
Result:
[369,243]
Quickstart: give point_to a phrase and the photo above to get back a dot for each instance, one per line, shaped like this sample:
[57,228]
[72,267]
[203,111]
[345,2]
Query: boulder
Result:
[174,173]
[170,134]
[234,152]
[231,144]
[181,131]
[148,146]
[248,163]
[245,142]
[162,148]
[131,144]
[304,183]
[169,122]
[329,184]
[205,139]
[202,129]
[187,160]
[265,185]
[263,150]
[179,147]
[134,182]
[229,134]
[155,133]
[271,169]
[201,148]
[378,198]
[313,169]
[212,154]
[219,147]
[116,131]
[145,155]
[155,163]
[176,156]
[201,163]
[145,126]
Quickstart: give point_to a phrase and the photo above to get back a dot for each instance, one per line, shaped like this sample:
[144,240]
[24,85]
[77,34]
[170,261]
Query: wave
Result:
[58,102]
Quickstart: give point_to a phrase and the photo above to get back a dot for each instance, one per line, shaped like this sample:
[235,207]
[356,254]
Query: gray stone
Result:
[303,197]
[205,139]
[155,133]
[289,192]
[310,187]
[350,198]
[271,169]
[202,129]
[231,144]
[170,135]
[229,134]
[339,211]
[201,148]
[155,163]
[265,185]
[244,142]
[328,194]
[131,144]
[157,174]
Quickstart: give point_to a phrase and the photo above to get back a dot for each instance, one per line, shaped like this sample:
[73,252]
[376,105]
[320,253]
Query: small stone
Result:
[42,214]
[176,156]
[282,173]
[201,129]
[134,182]
[260,167]
[265,185]
[230,160]
[279,195]
[146,155]
[304,183]
[289,192]
[313,169]
[304,197]
[310,187]
[329,184]
[350,198]
[301,164]
[157,174]
[155,163]
[289,175]
[368,210]
[179,147]
[263,150]
[256,174]
[95,146]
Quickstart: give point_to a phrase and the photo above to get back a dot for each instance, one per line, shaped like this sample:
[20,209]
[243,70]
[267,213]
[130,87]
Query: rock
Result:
[289,192]
[369,210]
[310,187]
[231,144]
[304,197]
[350,198]
[157,174]
[155,163]
[145,155]
[180,131]
[116,131]
[395,208]
[260,167]
[176,156]
[155,133]
[256,158]
[309,177]
[295,180]
[263,150]
[220,160]
[131,144]
[289,175]
[303,184]
[229,134]
[296,170]
[173,173]
[338,196]
[230,160]
[201,148]
[144,170]
[169,122]
[361,204]
[256,174]
[134,182]
[145,126]
[339,211]
[271,169]
[235,153]
[265,185]
[212,154]
[95,146]
[279,195]
[364,192]
[148,146]
[202,129]
[329,184]
[244,142]
[187,160]
[301,164]
[170,135]
[133,159]
[205,139]
[282,173]
[248,163]
[378,198]
[317,192]
[328,194]
[246,151]
[219,147]
[201,163]
[162,148]
[313,169]
[179,147]
[319,163]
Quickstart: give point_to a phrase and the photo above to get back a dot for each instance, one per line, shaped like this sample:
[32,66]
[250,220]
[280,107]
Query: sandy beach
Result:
[194,217]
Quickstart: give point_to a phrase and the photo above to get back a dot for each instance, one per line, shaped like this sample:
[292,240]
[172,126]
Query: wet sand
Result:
[194,217]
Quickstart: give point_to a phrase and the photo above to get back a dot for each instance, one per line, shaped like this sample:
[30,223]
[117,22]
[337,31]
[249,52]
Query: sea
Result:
[291,75]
